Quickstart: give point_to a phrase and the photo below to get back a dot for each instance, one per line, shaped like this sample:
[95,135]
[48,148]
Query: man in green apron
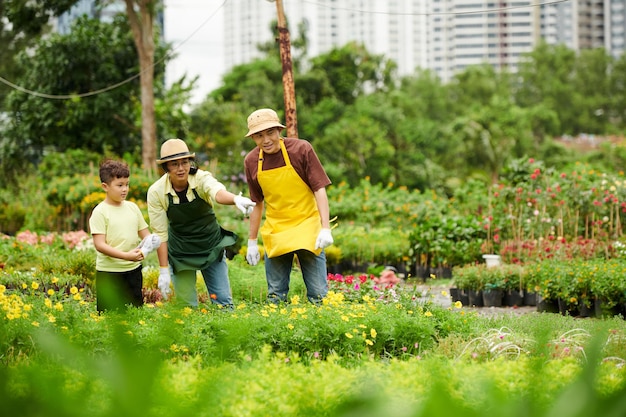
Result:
[286,178]
[180,207]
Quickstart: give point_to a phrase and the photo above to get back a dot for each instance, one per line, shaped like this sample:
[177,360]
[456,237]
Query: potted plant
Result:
[493,286]
[470,278]
[513,285]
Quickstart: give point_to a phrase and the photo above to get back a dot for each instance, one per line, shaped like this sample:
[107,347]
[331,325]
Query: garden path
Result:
[441,296]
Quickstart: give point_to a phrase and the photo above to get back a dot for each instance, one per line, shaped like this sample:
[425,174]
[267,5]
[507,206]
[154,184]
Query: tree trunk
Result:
[142,25]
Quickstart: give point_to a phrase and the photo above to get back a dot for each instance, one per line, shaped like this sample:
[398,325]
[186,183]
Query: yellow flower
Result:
[428,314]
[58,307]
[458,304]
[35,285]
[48,302]
[73,290]
[76,297]
[50,292]
[444,293]
[142,322]
[290,326]
[369,342]
[35,323]
[24,286]
[51,318]
[349,335]
[373,333]
[54,280]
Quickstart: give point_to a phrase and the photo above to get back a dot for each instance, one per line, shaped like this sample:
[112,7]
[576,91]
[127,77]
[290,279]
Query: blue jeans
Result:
[278,272]
[216,281]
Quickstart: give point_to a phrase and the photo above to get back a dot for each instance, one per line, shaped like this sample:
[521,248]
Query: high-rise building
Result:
[87,8]
[445,36]
[615,26]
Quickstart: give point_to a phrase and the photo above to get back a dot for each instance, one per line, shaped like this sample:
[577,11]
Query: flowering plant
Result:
[366,288]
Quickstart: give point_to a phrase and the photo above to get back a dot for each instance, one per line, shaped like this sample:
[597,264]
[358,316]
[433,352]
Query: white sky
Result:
[195,28]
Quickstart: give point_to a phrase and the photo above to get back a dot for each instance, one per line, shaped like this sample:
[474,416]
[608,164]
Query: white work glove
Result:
[324,239]
[149,244]
[164,281]
[253,256]
[244,204]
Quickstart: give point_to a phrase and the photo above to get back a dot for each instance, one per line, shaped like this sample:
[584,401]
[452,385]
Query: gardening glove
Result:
[253,256]
[244,204]
[149,244]
[324,239]
[164,281]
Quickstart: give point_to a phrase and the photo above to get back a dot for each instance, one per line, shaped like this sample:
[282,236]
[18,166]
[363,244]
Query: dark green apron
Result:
[196,239]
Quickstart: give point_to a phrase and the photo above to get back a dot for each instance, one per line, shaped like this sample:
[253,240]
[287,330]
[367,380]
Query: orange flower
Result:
[214,296]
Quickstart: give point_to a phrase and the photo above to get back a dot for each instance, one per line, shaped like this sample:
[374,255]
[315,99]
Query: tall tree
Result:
[617,114]
[93,57]
[591,83]
[546,77]
[22,22]
[141,15]
[352,71]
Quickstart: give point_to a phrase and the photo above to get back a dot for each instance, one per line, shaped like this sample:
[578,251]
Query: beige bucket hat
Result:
[173,149]
[262,119]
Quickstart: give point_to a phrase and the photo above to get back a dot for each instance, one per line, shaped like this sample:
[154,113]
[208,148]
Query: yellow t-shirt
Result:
[121,226]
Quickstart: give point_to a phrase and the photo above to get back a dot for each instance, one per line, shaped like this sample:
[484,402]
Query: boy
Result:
[116,226]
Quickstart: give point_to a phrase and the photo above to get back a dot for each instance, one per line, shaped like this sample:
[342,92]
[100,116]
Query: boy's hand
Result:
[136,255]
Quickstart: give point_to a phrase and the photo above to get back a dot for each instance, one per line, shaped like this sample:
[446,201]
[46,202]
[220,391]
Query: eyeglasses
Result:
[177,164]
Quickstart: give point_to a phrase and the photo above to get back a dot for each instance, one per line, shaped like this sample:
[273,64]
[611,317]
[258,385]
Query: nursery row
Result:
[593,287]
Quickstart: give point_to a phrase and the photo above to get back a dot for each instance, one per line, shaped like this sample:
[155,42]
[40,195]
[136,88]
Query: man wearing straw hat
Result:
[180,206]
[286,178]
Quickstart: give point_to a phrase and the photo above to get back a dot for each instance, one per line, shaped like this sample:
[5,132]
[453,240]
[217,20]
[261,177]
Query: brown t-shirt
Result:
[303,159]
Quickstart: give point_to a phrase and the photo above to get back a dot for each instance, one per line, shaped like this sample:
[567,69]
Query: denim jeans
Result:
[216,281]
[278,272]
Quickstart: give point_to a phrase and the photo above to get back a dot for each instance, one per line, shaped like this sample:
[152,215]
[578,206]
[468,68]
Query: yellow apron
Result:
[292,220]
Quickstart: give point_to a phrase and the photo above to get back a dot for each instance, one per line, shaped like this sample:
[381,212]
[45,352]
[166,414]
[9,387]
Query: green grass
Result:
[391,353]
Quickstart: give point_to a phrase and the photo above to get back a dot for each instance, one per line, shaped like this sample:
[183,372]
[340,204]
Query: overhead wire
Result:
[212,15]
[114,86]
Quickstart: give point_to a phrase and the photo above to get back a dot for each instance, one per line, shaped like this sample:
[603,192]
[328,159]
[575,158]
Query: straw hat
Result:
[262,119]
[174,149]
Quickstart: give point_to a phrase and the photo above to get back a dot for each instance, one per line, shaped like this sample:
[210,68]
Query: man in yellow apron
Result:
[180,206]
[286,178]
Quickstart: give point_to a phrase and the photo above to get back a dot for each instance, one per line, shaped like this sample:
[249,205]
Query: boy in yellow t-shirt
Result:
[117,226]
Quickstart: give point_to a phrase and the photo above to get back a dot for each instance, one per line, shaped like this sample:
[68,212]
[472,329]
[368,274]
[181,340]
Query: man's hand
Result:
[253,256]
[164,281]
[324,239]
[244,204]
